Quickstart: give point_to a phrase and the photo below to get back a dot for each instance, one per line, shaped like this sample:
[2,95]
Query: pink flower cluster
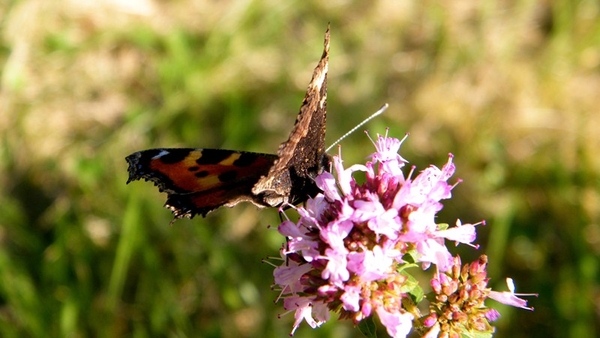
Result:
[351,247]
[459,295]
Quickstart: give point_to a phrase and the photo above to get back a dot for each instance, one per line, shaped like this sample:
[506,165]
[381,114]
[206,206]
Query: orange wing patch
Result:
[200,180]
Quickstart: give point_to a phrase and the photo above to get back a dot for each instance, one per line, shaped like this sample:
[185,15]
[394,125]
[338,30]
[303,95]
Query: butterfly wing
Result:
[198,181]
[302,157]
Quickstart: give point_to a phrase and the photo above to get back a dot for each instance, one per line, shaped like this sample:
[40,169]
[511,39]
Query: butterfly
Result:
[198,181]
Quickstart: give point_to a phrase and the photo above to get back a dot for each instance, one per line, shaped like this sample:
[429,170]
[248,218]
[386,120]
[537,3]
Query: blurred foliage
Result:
[510,87]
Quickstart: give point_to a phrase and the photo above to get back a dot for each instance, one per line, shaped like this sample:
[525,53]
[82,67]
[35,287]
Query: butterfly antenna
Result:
[377,113]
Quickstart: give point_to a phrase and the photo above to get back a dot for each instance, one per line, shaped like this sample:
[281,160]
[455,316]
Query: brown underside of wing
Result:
[302,156]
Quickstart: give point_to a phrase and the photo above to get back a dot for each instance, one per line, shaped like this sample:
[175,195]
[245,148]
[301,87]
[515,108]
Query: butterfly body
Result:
[198,181]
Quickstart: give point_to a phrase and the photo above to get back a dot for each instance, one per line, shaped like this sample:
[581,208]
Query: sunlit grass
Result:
[510,88]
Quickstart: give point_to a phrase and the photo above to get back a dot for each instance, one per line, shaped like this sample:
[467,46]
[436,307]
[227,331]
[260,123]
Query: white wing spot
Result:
[161,154]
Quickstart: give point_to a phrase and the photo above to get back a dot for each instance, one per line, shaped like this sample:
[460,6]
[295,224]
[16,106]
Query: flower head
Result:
[350,249]
[460,294]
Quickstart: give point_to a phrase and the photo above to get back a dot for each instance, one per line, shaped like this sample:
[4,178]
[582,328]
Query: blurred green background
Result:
[511,88]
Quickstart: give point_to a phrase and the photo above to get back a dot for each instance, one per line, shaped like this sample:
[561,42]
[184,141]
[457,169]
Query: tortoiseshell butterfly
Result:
[198,181]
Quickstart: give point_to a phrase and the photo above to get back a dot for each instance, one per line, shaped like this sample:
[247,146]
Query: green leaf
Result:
[442,226]
[477,334]
[412,287]
[367,328]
